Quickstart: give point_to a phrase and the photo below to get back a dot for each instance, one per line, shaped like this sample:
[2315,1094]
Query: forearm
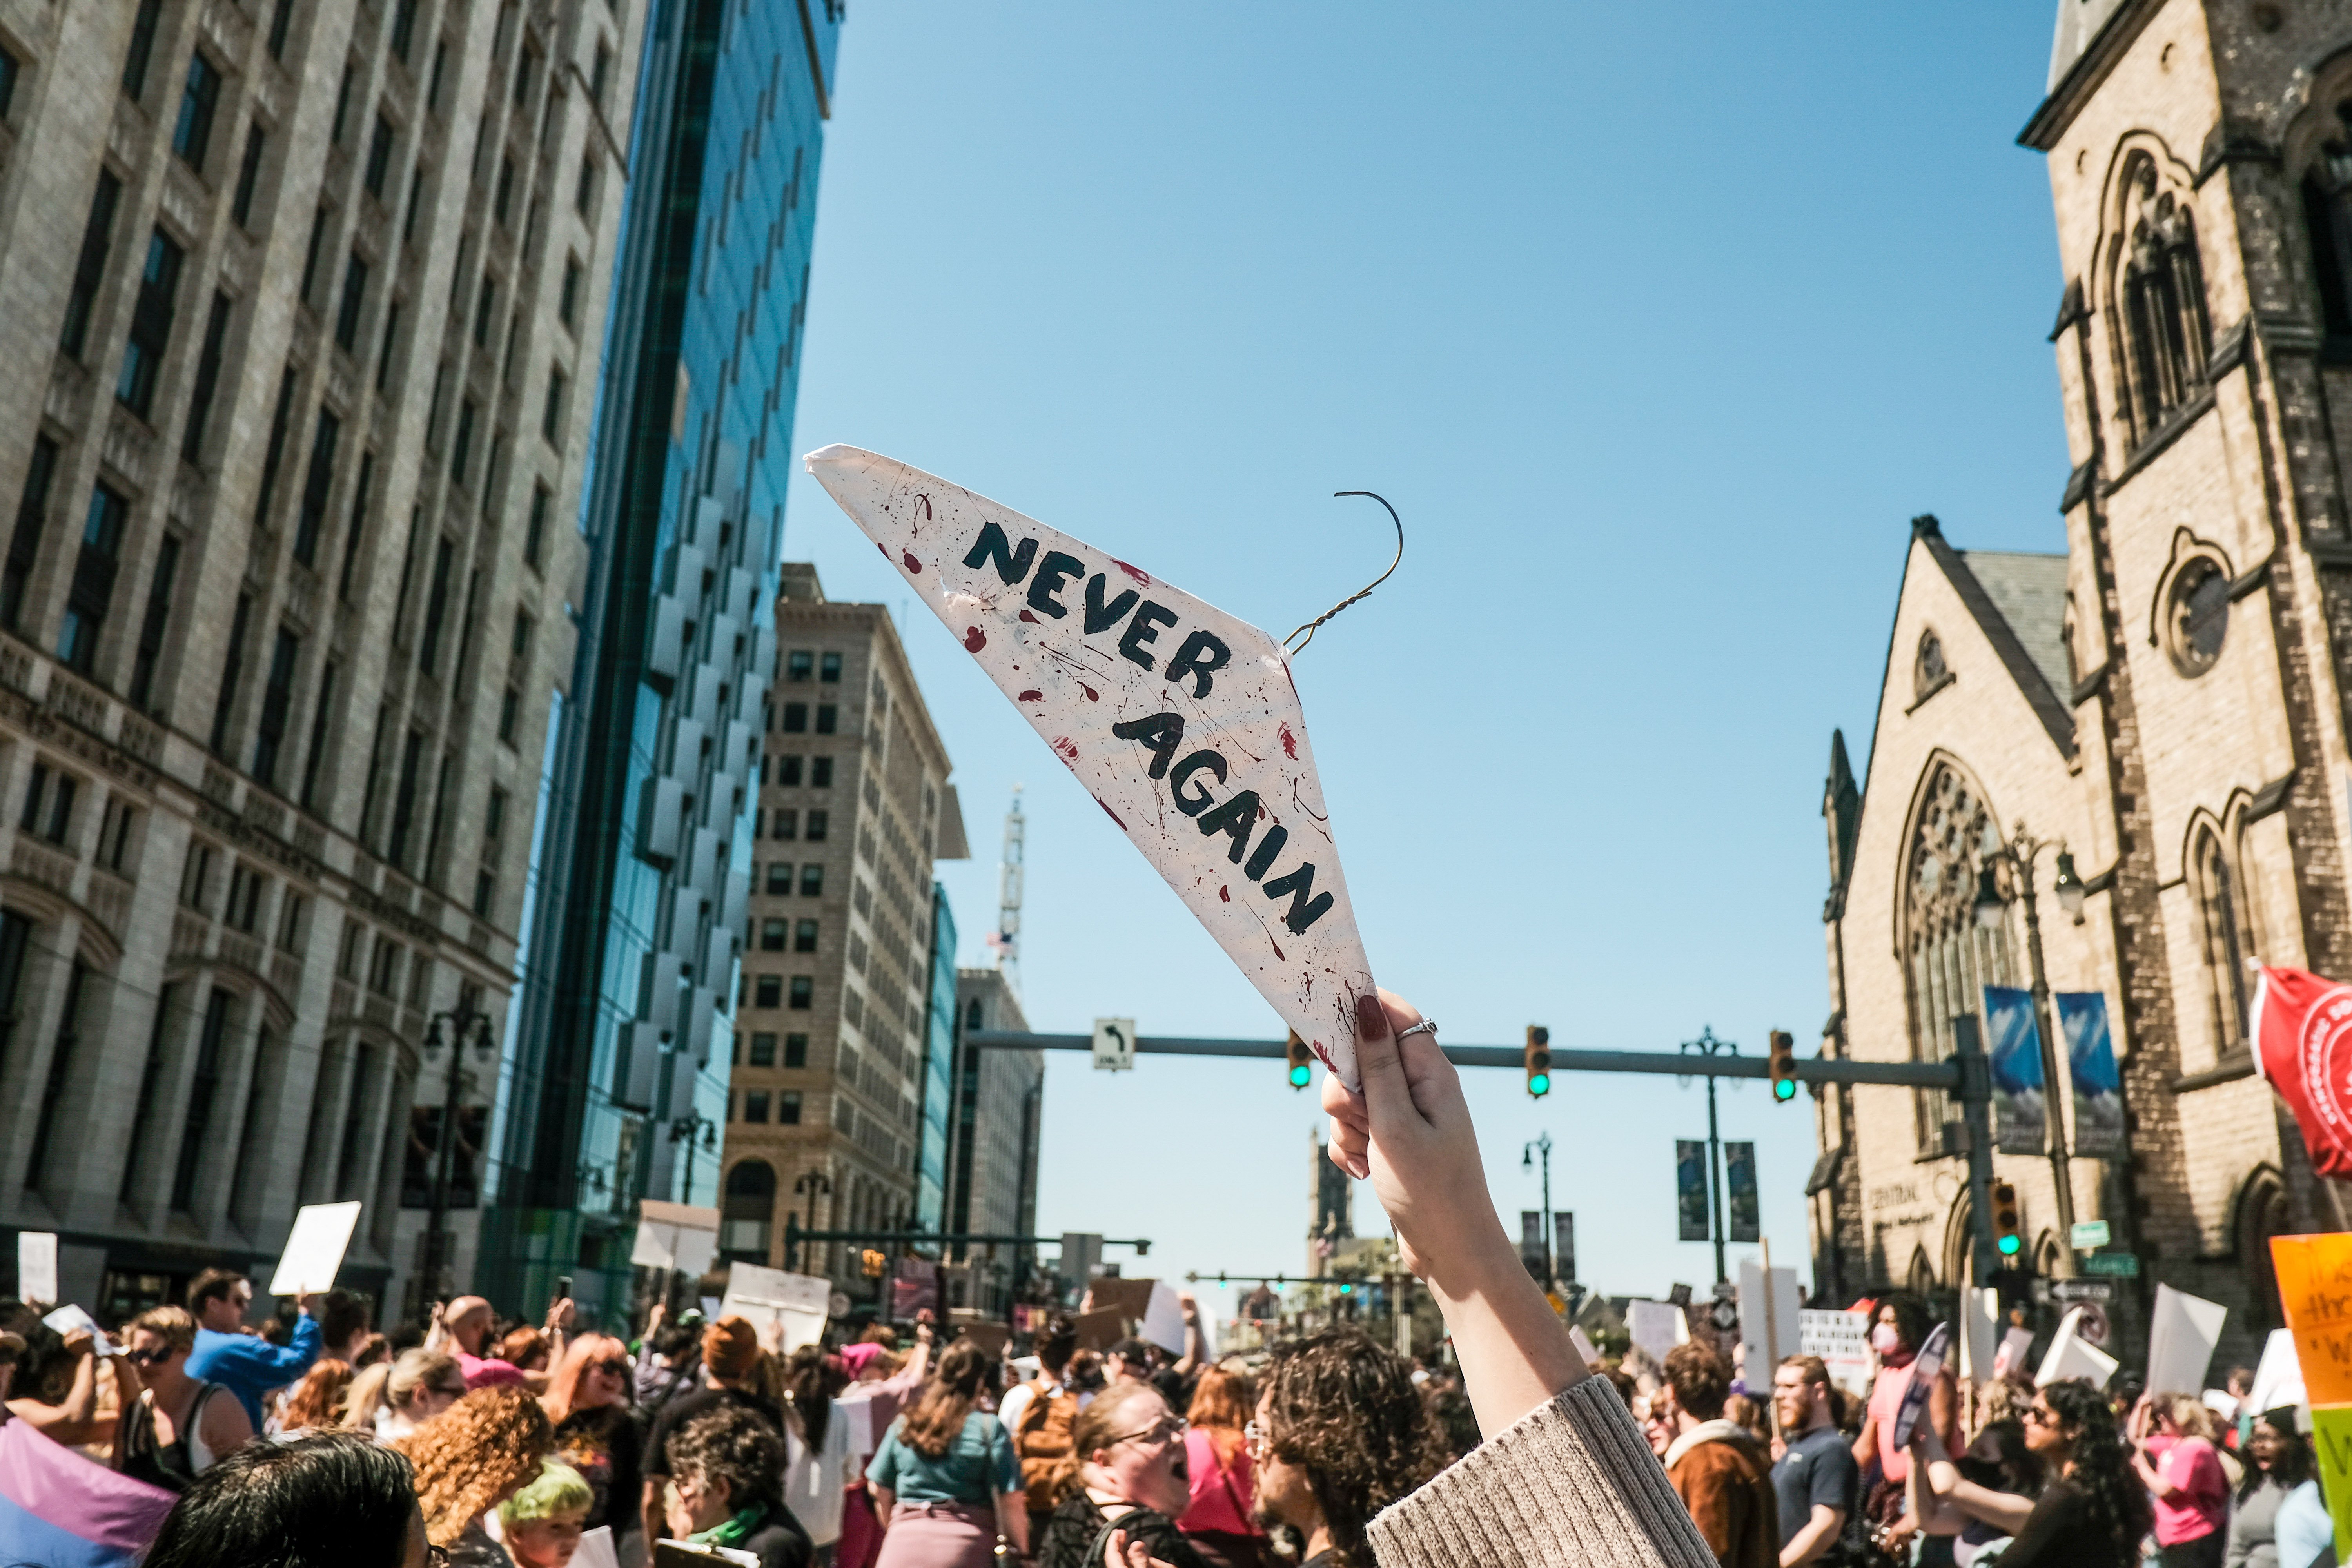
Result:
[1812,1538]
[1012,1521]
[1514,1351]
[885,1499]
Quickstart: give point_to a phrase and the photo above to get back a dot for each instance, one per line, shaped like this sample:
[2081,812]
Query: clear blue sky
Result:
[1657,323]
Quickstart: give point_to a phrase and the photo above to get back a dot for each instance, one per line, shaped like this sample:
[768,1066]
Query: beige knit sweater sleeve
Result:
[1572,1485]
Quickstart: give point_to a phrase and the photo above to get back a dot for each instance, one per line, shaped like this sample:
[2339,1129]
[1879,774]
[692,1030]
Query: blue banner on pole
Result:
[2091,1062]
[1690,1189]
[2013,1047]
[1743,1212]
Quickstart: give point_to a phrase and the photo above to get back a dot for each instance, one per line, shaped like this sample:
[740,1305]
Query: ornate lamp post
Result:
[1991,908]
[816,1184]
[1707,1045]
[466,1026]
[1542,1145]
[682,1130]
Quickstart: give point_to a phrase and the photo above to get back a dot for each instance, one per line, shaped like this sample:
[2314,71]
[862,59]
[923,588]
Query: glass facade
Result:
[640,869]
[939,1069]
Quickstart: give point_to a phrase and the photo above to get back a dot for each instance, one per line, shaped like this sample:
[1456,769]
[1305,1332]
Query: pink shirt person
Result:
[2199,1502]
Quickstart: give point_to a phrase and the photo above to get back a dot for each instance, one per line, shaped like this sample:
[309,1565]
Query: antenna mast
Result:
[1007,939]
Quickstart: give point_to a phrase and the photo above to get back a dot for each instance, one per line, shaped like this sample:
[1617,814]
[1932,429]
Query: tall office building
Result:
[999,1106]
[617,1076]
[839,1105]
[294,295]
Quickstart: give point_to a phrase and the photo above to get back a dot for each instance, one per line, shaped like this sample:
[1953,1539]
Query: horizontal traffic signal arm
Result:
[1808,1069]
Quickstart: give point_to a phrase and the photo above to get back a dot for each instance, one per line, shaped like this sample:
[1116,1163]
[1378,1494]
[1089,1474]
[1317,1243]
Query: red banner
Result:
[2302,1044]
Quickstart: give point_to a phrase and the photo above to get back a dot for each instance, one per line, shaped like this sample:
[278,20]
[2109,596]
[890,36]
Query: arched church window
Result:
[1929,671]
[2328,215]
[2225,943]
[2197,615]
[2163,298]
[1948,957]
[2262,1214]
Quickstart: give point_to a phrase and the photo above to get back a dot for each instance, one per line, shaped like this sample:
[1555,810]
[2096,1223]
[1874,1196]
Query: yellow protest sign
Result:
[2315,1277]
[2331,1438]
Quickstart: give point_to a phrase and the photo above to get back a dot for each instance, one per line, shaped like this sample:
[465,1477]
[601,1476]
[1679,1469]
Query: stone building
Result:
[296,296]
[2169,696]
[999,1105]
[836,1015]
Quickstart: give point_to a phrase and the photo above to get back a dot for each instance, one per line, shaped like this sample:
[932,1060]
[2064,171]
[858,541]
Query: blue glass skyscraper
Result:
[616,1079]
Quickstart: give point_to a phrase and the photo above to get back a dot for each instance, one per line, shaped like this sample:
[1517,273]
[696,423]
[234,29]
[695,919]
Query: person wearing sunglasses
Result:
[596,1432]
[2092,1512]
[176,1427]
[1133,1480]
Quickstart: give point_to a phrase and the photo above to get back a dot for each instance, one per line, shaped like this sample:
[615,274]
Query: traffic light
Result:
[1784,1066]
[1538,1061]
[2007,1223]
[1302,1062]
[873,1264]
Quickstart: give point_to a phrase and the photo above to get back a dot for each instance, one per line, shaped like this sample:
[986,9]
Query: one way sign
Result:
[1114,1045]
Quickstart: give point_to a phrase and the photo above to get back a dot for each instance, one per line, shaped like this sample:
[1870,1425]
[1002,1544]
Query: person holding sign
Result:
[249,1365]
[2179,1464]
[1896,1339]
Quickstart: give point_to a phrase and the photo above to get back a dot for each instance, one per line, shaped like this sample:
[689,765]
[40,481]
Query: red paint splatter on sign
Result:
[1067,750]
[1030,618]
[912,564]
[1276,945]
[974,639]
[1031,696]
[1109,812]
[1224,894]
[883,548]
[1092,695]
[1289,743]
[1138,572]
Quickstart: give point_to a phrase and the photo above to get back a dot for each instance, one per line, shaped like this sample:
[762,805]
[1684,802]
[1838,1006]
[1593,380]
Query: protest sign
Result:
[1841,1340]
[37,1266]
[1924,1370]
[2091,1063]
[2182,1333]
[2315,1280]
[2069,1355]
[1584,1347]
[314,1249]
[596,1549]
[2302,1029]
[1657,1326]
[72,1319]
[2011,1356]
[1181,719]
[2331,1439]
[1769,1330]
[676,1236]
[785,1311]
[2278,1376]
[1980,1333]
[2013,1046]
[1163,1318]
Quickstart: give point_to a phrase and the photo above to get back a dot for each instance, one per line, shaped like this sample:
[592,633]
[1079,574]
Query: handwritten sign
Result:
[2331,1438]
[2315,1277]
[315,1248]
[1841,1340]
[1178,718]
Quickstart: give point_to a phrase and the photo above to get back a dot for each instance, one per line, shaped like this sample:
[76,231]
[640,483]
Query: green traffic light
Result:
[2009,1246]
[1539,1084]
[1786,1088]
[1300,1075]
[1347,1290]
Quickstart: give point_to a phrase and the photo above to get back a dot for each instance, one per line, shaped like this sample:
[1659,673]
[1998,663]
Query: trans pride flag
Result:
[58,1510]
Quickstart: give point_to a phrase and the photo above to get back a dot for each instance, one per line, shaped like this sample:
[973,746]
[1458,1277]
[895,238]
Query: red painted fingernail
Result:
[1371,1018]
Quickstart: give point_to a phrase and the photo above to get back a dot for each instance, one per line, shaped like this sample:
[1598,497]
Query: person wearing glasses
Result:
[218,1298]
[596,1432]
[2092,1512]
[1133,1482]
[176,1428]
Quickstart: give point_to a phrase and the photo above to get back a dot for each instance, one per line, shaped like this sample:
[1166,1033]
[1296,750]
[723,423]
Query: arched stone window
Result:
[2327,216]
[1948,958]
[2262,1214]
[2225,940]
[745,1212]
[1928,671]
[2161,292]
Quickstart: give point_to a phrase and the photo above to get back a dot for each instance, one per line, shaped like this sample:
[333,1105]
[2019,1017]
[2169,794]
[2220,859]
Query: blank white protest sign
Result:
[315,1248]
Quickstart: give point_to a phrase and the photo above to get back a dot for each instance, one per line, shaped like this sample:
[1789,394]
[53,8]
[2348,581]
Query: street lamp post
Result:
[1991,908]
[1542,1145]
[466,1026]
[1707,1045]
[816,1185]
[682,1130]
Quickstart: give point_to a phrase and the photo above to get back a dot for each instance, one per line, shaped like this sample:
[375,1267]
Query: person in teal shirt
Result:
[945,1478]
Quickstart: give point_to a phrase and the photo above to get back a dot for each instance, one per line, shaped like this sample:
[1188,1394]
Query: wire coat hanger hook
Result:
[1312,626]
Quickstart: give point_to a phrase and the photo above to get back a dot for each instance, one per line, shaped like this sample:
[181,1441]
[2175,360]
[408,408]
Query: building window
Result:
[194,134]
[502,202]
[783,824]
[817,826]
[231,675]
[764,1051]
[281,21]
[804,936]
[248,178]
[150,325]
[48,804]
[780,879]
[89,268]
[311,253]
[94,580]
[10,67]
[2162,299]
[799,663]
[379,157]
[829,668]
[820,773]
[812,880]
[803,993]
[2197,615]
[2226,944]
[534,534]
[600,74]
[828,718]
[1950,958]
[114,836]
[584,198]
[768,991]
[32,519]
[208,385]
[311,516]
[788,1109]
[755,1107]
[772,935]
[404,28]
[2327,217]
[551,418]
[788,770]
[276,697]
[796,1050]
[196,877]
[142,49]
[795,719]
[1928,671]
[154,623]
[347,315]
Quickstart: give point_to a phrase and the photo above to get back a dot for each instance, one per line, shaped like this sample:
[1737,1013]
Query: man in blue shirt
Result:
[245,1364]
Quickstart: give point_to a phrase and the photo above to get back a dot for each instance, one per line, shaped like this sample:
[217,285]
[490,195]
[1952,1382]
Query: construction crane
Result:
[1006,938]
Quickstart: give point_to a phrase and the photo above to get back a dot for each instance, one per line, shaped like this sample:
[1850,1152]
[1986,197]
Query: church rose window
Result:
[2197,615]
[1949,957]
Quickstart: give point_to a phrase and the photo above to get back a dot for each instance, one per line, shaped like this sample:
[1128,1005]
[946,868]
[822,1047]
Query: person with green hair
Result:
[541,1523]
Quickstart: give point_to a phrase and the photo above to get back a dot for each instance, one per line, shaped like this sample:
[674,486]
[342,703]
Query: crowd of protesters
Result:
[471,1441]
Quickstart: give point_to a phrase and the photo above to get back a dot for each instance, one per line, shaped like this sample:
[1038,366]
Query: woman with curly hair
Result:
[2093,1510]
[726,1470]
[1340,1433]
[1218,1523]
[471,1458]
[595,1430]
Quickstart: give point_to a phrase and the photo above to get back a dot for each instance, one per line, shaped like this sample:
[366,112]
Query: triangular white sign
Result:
[1179,720]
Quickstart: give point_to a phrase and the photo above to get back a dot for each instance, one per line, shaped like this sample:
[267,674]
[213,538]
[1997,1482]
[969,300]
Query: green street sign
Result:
[2088,1235]
[2121,1265]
